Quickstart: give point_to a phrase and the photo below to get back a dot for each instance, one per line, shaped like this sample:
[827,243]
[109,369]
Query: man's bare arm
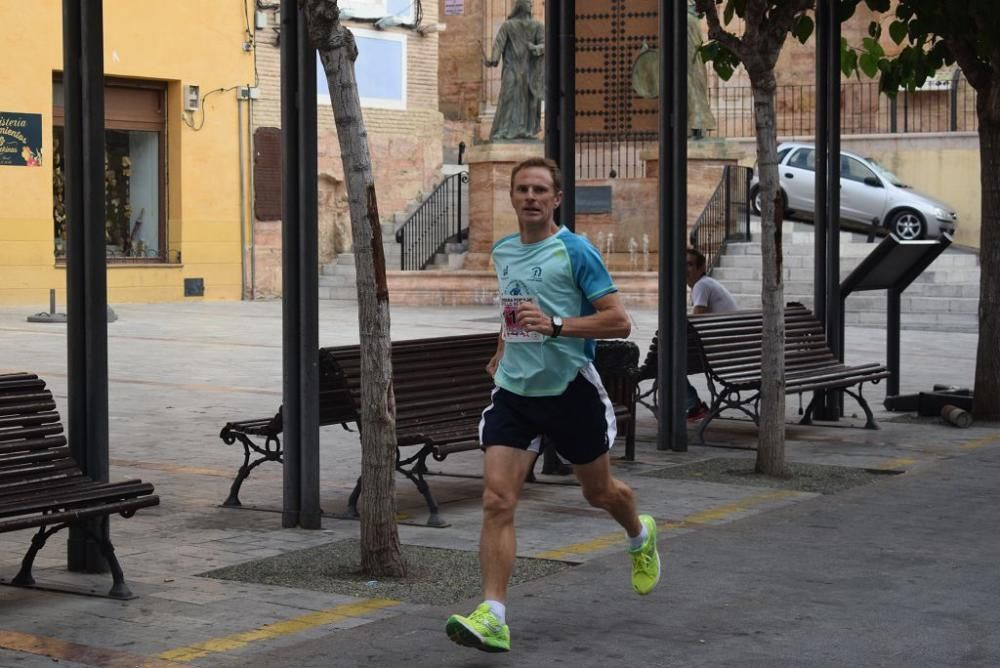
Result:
[491,367]
[610,322]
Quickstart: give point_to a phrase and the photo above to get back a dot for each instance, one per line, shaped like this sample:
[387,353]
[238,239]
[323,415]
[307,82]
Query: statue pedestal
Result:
[491,216]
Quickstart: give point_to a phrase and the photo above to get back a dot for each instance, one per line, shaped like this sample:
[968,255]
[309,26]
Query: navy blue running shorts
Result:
[580,422]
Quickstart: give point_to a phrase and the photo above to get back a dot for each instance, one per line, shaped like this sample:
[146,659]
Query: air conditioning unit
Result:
[192,97]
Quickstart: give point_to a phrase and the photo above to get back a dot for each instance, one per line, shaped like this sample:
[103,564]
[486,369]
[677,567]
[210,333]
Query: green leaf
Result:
[875,29]
[723,69]
[874,48]
[869,65]
[803,28]
[898,31]
[848,61]
[729,12]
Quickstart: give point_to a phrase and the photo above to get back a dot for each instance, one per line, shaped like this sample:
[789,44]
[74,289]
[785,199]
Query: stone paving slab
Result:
[180,371]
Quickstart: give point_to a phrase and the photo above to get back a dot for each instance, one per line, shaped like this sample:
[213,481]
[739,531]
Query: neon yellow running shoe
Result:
[646,560]
[481,630]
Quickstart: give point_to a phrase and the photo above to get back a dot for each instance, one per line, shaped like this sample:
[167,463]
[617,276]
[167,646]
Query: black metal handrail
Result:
[726,217]
[436,221]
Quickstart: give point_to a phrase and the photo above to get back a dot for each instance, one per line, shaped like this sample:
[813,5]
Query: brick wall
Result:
[405,145]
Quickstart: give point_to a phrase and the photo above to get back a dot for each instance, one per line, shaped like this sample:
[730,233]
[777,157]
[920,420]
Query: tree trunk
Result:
[380,547]
[987,390]
[771,439]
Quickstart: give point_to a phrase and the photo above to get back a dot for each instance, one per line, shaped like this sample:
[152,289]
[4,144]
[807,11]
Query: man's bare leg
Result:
[504,471]
[602,490]
[486,628]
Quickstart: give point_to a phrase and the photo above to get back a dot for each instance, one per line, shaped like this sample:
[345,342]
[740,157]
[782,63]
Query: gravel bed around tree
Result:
[436,576]
[816,478]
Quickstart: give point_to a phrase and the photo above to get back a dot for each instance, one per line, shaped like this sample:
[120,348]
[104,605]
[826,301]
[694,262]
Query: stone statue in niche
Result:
[700,117]
[520,43]
[646,77]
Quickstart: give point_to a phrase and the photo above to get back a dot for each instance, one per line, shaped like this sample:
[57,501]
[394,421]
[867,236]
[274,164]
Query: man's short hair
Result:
[699,258]
[539,162]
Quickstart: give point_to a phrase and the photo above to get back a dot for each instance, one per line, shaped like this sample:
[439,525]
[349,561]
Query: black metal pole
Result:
[86,272]
[567,112]
[672,362]
[834,334]
[821,186]
[553,70]
[892,336]
[290,232]
[308,270]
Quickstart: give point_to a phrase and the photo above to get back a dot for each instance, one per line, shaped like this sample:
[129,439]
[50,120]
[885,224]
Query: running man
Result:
[563,298]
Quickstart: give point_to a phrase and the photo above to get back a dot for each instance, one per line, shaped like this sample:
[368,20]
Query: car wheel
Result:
[755,200]
[908,225]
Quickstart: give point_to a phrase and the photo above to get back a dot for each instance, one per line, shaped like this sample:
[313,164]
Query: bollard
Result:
[956,416]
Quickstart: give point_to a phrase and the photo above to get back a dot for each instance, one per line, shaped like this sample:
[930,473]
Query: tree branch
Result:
[717,32]
[756,11]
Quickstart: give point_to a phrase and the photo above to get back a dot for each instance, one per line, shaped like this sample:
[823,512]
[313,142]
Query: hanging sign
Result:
[20,139]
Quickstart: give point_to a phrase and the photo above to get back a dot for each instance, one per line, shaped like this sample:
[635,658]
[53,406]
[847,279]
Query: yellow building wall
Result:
[175,41]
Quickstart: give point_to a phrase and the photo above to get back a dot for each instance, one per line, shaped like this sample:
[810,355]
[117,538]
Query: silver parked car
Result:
[869,193]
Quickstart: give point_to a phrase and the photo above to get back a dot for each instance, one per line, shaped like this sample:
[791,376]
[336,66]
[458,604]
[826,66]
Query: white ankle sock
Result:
[636,542]
[498,609]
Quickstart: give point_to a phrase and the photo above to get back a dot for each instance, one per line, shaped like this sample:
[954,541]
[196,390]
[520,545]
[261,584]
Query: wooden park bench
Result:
[726,347]
[441,388]
[42,487]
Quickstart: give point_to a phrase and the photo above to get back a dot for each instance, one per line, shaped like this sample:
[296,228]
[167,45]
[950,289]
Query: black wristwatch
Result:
[557,325]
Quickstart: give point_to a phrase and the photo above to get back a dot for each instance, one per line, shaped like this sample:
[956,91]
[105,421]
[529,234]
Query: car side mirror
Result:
[873,182]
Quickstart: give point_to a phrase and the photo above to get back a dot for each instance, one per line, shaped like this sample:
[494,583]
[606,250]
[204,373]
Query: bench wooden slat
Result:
[78,514]
[29,488]
[84,493]
[9,437]
[55,477]
[33,420]
[26,406]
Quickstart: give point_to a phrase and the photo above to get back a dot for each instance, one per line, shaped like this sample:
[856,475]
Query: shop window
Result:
[134,174]
[380,70]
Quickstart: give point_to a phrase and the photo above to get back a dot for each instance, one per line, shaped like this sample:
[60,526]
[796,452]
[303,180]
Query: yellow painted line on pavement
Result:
[174,468]
[980,442]
[700,518]
[897,463]
[61,650]
[277,629]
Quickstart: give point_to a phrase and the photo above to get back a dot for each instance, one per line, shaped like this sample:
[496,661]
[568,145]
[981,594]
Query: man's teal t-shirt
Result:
[566,274]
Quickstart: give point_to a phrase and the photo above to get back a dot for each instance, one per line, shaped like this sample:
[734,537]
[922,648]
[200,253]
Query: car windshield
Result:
[886,174]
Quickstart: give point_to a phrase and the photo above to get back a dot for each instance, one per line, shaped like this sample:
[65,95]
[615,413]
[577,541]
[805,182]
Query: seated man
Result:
[707,296]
